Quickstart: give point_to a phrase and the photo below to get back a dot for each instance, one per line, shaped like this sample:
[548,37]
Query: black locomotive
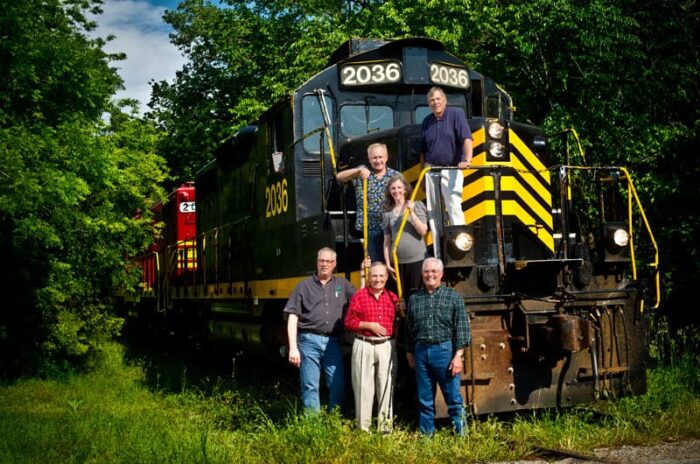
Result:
[546,263]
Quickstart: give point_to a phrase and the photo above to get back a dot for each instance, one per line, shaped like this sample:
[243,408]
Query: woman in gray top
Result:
[412,250]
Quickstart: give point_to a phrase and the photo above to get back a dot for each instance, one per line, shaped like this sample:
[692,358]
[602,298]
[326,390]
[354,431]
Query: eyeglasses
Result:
[326,261]
[431,271]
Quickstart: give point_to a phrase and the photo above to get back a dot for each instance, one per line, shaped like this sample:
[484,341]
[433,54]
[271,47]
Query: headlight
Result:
[496,149]
[621,238]
[496,130]
[463,241]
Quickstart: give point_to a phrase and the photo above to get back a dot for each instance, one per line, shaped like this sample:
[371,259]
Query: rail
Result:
[397,240]
[633,199]
[632,194]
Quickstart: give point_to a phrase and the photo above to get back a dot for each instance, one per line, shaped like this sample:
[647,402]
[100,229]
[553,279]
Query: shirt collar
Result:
[318,281]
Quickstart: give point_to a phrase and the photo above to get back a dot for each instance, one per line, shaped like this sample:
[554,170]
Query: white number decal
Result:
[449,75]
[188,207]
[276,198]
[364,74]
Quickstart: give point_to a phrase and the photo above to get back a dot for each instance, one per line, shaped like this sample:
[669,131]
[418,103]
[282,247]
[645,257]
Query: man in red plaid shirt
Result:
[371,316]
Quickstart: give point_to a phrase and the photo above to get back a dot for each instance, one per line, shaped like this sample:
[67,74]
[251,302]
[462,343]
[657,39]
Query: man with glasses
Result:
[437,330]
[316,308]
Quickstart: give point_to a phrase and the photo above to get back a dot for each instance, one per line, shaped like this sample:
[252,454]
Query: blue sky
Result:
[141,34]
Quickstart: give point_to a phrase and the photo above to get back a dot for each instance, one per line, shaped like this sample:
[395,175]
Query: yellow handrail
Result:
[654,264]
[326,124]
[395,243]
[633,191]
[365,226]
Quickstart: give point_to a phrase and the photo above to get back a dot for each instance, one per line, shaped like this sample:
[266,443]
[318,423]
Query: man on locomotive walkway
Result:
[437,330]
[315,326]
[371,317]
[377,180]
[446,140]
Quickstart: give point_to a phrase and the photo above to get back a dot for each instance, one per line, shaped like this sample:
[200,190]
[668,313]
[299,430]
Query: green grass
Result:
[112,416]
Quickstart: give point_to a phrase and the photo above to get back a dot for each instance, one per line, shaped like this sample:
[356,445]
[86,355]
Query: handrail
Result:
[365,226]
[321,95]
[655,264]
[633,191]
[395,242]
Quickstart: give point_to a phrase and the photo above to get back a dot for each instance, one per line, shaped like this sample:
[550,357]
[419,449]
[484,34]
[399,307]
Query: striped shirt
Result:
[364,307]
[437,317]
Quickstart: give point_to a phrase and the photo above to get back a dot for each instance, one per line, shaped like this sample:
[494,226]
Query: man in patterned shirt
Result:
[437,330]
[371,316]
[377,180]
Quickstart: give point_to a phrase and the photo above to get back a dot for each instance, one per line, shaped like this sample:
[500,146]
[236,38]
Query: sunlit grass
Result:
[111,415]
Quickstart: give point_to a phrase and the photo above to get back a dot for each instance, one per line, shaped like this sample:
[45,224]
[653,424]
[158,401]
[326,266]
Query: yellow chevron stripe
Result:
[531,179]
[483,209]
[531,158]
[479,136]
[511,184]
[474,187]
[512,208]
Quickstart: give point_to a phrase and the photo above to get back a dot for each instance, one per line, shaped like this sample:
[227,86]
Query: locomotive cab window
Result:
[420,113]
[363,119]
[313,120]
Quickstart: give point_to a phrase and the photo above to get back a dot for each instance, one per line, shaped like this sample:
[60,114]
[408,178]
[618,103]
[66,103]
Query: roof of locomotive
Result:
[358,46]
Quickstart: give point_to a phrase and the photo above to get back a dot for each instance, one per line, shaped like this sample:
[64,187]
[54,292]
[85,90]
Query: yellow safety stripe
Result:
[261,289]
[512,208]
[513,185]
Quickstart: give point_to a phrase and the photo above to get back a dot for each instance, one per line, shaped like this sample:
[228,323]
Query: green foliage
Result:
[110,415]
[70,187]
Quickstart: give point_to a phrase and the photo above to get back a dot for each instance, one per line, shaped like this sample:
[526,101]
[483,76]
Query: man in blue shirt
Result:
[446,140]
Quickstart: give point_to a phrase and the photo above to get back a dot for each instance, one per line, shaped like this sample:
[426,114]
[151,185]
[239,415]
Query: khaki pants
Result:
[373,370]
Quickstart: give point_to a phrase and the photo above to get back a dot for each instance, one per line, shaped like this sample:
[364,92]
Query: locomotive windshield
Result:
[313,120]
[359,119]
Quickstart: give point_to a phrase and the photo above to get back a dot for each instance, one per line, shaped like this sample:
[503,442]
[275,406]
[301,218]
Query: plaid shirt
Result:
[437,317]
[364,307]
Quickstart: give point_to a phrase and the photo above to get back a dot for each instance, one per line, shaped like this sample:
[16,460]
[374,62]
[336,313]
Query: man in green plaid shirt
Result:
[437,330]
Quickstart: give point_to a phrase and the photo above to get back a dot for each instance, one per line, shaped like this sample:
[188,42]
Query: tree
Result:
[622,74]
[70,185]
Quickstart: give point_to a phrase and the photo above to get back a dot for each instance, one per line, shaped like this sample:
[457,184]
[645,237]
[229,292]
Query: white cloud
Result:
[141,34]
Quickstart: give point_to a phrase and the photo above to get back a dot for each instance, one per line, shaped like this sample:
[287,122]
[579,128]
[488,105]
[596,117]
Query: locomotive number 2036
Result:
[449,75]
[382,72]
[276,198]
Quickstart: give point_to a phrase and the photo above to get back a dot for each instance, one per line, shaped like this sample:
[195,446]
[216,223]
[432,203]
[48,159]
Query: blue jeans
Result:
[317,353]
[432,366]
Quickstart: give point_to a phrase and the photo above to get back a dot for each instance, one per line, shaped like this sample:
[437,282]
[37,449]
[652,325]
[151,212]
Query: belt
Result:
[323,333]
[373,340]
[431,343]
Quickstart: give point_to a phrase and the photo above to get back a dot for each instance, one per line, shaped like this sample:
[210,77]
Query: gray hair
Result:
[329,250]
[377,145]
[437,261]
[436,89]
